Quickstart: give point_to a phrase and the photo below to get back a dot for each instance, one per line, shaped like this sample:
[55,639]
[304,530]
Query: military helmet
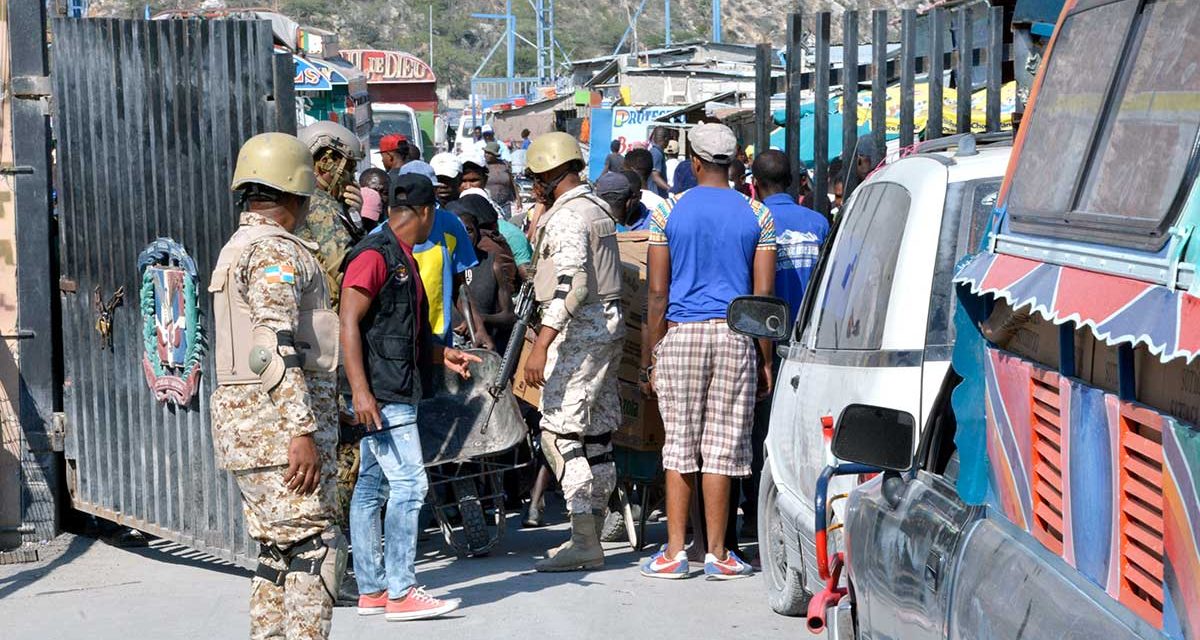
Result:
[276,160]
[331,135]
[551,150]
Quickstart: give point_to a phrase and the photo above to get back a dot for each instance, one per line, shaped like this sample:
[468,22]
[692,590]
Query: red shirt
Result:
[368,273]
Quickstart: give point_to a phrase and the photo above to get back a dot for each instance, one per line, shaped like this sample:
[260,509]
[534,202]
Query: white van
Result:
[876,330]
[390,118]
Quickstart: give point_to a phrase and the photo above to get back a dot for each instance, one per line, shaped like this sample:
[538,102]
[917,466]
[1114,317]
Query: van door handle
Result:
[933,570]
[795,383]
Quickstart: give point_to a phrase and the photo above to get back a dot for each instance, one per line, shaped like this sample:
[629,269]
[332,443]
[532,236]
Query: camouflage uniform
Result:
[252,430]
[580,395]
[324,227]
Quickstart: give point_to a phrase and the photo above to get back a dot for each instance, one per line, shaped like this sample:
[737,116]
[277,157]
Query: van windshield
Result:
[388,123]
[1109,145]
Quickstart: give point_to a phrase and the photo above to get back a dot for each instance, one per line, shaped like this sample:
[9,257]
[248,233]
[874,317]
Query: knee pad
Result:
[333,564]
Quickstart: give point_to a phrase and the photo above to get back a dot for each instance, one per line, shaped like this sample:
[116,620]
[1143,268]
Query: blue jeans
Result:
[391,461]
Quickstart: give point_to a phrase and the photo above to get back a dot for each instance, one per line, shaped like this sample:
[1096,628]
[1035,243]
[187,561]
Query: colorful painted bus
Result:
[1055,491]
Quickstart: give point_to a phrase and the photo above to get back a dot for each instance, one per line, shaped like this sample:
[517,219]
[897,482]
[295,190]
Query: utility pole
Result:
[430,36]
[511,37]
[539,17]
[716,21]
[553,42]
[667,22]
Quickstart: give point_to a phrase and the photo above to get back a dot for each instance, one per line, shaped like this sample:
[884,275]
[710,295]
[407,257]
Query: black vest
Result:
[395,330]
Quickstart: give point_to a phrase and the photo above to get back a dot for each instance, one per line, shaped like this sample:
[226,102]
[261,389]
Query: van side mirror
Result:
[875,436]
[759,317]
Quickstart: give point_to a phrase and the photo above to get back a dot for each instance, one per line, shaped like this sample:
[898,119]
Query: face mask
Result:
[544,190]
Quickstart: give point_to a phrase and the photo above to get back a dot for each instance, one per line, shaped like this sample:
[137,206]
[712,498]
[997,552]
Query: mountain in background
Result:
[583,28]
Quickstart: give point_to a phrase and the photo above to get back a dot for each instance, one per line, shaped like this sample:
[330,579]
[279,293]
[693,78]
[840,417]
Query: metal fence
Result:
[149,116]
[969,43]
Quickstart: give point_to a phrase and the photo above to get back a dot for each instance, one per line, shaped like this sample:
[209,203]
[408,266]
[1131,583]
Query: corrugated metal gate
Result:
[148,117]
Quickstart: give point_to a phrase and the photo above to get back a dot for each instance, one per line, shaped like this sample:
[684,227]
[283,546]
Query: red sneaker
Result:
[418,605]
[372,605]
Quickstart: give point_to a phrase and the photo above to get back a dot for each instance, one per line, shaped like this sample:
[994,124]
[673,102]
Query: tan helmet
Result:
[551,150]
[331,135]
[276,160]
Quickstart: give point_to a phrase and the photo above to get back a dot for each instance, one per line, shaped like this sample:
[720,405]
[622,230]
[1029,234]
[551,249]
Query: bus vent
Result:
[1046,421]
[1141,517]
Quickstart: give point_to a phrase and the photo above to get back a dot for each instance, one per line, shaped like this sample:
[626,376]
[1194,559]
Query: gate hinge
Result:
[31,87]
[58,431]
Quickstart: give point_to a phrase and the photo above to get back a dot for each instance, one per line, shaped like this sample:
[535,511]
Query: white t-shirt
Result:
[672,162]
[650,199]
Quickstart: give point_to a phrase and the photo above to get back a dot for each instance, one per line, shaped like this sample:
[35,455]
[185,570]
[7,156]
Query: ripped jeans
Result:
[391,461]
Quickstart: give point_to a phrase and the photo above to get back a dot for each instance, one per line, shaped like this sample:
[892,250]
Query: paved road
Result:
[96,591]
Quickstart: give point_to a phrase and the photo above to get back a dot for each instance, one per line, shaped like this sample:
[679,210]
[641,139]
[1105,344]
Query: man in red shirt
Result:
[388,355]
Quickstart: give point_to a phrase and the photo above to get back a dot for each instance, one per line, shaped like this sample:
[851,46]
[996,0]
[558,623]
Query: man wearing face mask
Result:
[577,285]
[334,223]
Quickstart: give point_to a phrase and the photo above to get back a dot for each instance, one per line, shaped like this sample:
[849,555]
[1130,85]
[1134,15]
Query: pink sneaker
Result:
[418,605]
[372,605]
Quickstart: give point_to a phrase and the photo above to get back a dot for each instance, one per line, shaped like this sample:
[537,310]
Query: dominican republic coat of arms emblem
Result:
[171,332]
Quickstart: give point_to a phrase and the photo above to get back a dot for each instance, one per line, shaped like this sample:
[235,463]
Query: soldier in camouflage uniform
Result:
[577,284]
[333,221]
[274,411]
[332,225]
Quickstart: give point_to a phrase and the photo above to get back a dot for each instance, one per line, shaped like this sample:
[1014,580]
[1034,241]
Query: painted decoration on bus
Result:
[309,77]
[1108,485]
[1117,310]
[389,66]
[331,74]
[173,345]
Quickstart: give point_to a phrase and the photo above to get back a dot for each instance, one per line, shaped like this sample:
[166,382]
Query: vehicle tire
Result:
[474,524]
[785,584]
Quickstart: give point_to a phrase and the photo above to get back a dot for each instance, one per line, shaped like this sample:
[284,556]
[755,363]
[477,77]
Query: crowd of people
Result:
[339,295]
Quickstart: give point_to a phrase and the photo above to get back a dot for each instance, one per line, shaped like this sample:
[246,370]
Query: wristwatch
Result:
[644,374]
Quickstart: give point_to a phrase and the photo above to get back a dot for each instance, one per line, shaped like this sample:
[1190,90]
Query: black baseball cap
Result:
[410,190]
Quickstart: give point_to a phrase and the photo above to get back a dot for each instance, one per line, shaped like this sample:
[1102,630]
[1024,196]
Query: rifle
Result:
[525,306]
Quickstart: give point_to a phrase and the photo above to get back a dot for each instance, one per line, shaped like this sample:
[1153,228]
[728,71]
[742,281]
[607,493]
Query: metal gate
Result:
[148,118]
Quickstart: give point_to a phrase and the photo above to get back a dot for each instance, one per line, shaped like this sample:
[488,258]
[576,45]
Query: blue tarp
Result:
[807,130]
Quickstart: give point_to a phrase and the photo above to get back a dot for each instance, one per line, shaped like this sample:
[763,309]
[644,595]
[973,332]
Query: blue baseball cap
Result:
[420,168]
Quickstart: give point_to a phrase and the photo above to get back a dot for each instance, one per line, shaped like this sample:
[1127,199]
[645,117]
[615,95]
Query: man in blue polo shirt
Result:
[707,247]
[799,231]
[799,234]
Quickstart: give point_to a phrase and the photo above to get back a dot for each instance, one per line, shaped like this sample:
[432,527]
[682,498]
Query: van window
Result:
[1144,149]
[1107,154]
[387,123]
[1068,105]
[860,271]
[964,219]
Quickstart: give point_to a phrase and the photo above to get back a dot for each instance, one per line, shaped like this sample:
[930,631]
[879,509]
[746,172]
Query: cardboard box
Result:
[1172,388]
[532,395]
[634,246]
[1034,338]
[630,367]
[641,425]
[633,293]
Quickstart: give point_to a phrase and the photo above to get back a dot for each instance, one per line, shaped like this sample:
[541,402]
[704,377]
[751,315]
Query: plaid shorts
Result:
[706,378]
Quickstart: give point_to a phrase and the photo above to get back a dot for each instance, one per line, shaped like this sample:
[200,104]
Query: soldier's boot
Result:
[582,551]
[599,516]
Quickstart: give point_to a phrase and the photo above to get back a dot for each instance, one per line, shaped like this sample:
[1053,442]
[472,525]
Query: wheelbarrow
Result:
[470,438]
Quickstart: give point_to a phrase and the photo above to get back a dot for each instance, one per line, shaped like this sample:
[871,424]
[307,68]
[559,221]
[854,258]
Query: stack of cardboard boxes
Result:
[641,425]
[1172,388]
